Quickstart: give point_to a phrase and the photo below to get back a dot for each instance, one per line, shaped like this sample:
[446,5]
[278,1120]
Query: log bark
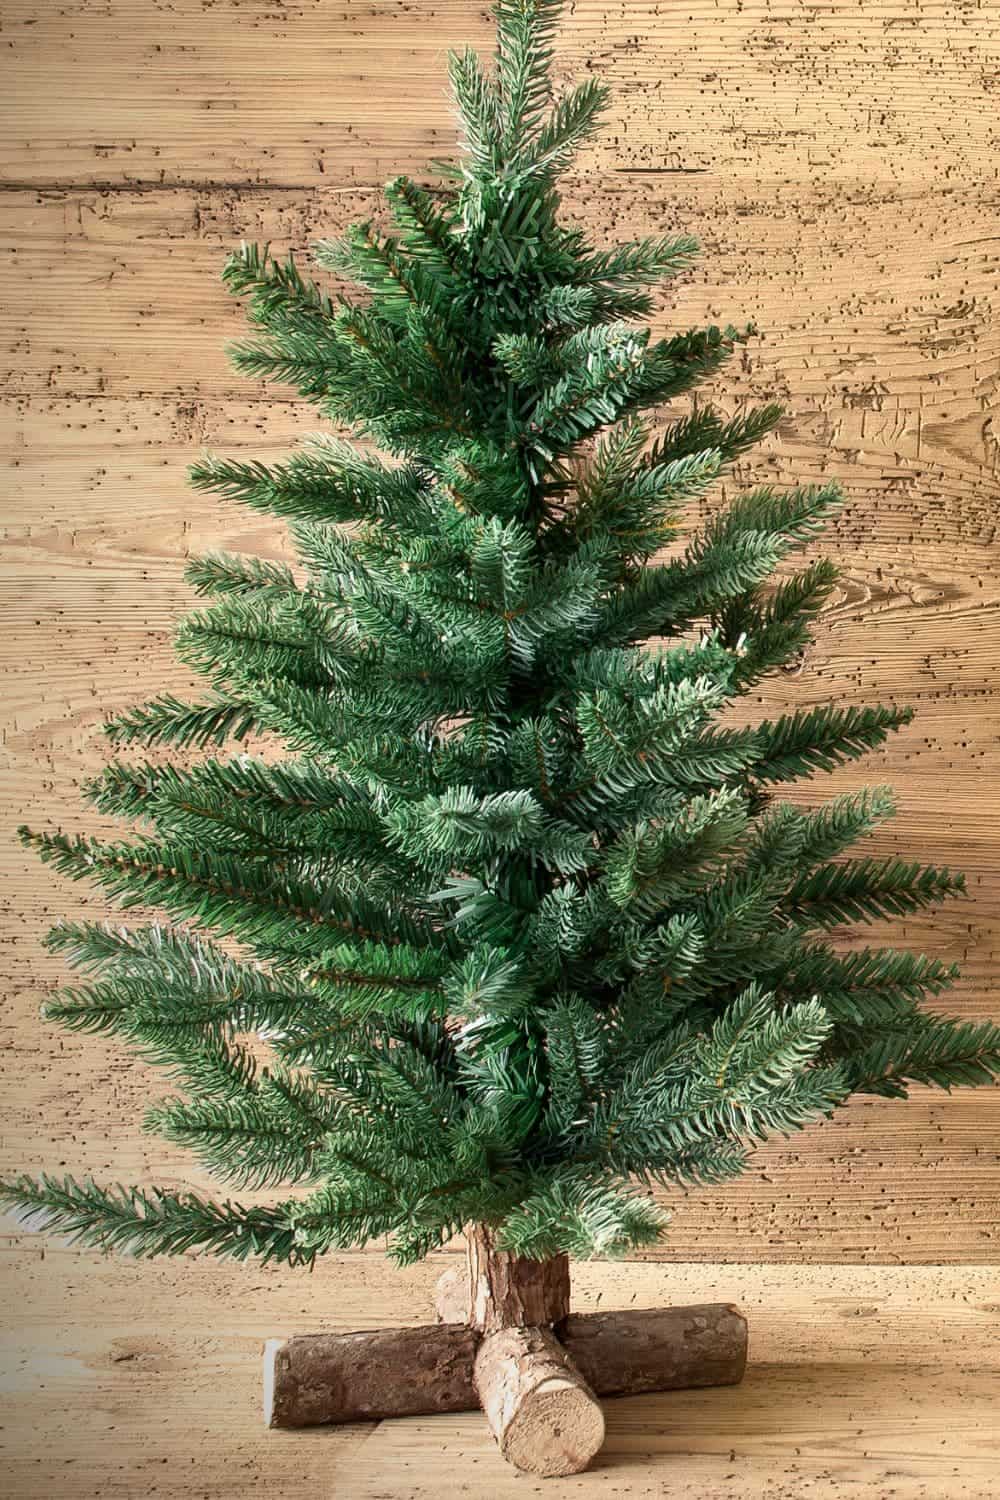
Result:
[543,1414]
[385,1372]
[397,1372]
[509,1291]
[658,1348]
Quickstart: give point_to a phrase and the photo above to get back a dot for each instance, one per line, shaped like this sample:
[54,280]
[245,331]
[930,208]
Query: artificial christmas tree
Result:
[521,927]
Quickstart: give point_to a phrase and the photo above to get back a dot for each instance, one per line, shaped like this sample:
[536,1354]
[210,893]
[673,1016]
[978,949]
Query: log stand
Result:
[506,1340]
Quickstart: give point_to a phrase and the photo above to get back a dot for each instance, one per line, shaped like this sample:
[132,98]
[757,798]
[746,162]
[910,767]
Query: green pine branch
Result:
[865,890]
[820,739]
[150,1222]
[934,1050]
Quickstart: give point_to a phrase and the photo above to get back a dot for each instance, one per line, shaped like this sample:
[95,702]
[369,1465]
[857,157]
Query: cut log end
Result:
[543,1414]
[271,1348]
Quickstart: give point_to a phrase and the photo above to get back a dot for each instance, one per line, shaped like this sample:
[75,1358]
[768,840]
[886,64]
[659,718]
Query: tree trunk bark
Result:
[509,1291]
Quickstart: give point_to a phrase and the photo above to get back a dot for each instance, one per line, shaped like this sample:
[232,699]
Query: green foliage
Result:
[884,1057]
[152,1222]
[517,929]
[862,890]
[753,1072]
[820,739]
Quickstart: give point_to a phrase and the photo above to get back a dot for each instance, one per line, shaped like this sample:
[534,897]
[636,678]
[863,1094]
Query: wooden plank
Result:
[874,311]
[118,1383]
[310,93]
[850,212]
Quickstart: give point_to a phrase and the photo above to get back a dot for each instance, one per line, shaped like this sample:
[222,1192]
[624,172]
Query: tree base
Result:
[536,1369]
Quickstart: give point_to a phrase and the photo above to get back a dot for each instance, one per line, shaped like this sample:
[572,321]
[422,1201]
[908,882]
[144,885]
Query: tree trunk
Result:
[509,1291]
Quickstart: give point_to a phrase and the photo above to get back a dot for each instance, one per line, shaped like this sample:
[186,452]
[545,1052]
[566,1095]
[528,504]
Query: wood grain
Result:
[123,1379]
[839,168]
[310,92]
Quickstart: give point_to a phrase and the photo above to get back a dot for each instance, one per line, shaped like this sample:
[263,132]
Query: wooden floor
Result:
[128,1380]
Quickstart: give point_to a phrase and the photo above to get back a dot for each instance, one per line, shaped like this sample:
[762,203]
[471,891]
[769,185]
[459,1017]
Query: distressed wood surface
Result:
[314,90]
[868,1381]
[839,166]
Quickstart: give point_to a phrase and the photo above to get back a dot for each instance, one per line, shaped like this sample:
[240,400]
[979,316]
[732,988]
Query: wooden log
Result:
[543,1414]
[346,1377]
[384,1372]
[645,1349]
[510,1291]
[657,1348]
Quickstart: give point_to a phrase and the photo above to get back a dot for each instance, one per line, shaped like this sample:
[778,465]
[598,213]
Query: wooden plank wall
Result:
[838,161]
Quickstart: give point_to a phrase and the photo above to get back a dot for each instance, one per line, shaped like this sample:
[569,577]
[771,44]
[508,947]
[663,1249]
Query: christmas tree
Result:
[519,920]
